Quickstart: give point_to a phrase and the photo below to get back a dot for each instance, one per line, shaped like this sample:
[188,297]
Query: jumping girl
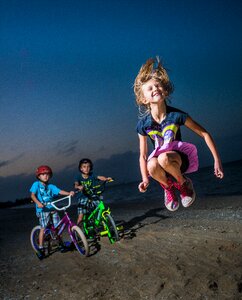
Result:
[171,158]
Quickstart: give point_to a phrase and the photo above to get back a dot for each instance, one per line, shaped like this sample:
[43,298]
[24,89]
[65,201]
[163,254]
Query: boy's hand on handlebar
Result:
[109,179]
[72,193]
[40,205]
[80,188]
[143,186]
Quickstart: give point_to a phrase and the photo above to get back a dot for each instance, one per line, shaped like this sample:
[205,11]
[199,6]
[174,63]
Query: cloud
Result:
[123,167]
[4,163]
[101,149]
[66,148]
[15,187]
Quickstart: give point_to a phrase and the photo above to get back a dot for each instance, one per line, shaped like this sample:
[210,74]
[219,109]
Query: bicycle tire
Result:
[80,241]
[111,228]
[34,238]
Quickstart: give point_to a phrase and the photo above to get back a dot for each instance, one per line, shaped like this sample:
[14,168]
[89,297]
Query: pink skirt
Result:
[189,149]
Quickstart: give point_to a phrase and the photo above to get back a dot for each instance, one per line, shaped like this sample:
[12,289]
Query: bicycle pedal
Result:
[64,250]
[120,227]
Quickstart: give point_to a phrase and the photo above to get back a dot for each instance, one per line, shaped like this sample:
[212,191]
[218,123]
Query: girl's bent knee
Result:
[164,160]
[152,167]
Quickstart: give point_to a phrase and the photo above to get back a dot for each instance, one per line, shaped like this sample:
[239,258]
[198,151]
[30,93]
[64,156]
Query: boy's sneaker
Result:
[188,194]
[41,253]
[171,202]
[71,246]
[63,248]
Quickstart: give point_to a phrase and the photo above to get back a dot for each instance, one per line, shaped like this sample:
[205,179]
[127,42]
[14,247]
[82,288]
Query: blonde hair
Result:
[152,69]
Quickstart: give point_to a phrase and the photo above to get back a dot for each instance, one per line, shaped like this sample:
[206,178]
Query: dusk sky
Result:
[66,75]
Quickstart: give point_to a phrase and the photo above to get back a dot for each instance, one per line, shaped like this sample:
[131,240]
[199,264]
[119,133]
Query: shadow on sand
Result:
[132,226]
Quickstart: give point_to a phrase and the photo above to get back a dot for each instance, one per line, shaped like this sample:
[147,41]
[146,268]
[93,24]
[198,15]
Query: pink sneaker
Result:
[188,194]
[171,202]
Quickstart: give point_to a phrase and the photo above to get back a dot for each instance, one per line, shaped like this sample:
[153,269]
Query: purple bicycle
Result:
[53,234]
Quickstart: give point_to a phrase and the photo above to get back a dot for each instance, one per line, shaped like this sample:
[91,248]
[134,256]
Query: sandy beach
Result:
[194,253]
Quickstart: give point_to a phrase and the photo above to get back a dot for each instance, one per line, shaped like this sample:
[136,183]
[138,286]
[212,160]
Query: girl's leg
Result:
[158,173]
[171,162]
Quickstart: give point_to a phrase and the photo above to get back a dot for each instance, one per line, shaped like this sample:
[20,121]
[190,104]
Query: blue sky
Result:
[66,75]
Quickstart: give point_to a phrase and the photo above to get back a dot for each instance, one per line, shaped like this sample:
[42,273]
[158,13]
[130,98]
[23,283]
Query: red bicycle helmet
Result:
[42,170]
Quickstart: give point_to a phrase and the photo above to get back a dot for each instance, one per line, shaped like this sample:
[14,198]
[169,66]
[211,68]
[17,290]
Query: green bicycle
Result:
[99,221]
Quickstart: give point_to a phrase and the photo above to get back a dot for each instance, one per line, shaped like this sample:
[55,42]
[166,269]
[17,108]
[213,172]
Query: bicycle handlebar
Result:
[58,200]
[102,184]
[93,191]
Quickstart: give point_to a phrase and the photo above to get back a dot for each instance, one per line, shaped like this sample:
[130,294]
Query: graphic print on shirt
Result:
[87,183]
[45,193]
[162,134]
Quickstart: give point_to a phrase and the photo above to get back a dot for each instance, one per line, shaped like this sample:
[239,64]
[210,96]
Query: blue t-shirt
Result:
[44,193]
[167,130]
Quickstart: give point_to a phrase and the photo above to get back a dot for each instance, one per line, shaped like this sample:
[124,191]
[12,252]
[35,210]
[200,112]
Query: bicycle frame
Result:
[99,222]
[100,210]
[65,221]
[98,216]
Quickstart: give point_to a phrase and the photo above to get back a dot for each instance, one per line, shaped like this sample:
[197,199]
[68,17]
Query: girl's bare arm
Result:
[198,129]
[143,162]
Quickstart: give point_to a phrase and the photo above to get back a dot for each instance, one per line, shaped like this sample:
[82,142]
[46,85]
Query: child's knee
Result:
[152,166]
[164,160]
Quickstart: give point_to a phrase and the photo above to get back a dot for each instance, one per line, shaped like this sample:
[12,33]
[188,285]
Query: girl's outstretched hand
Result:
[143,186]
[218,170]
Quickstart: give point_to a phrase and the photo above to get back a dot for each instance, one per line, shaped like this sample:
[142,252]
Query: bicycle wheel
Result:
[110,226]
[34,238]
[80,240]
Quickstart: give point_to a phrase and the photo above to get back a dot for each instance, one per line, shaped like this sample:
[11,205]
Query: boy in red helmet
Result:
[42,192]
